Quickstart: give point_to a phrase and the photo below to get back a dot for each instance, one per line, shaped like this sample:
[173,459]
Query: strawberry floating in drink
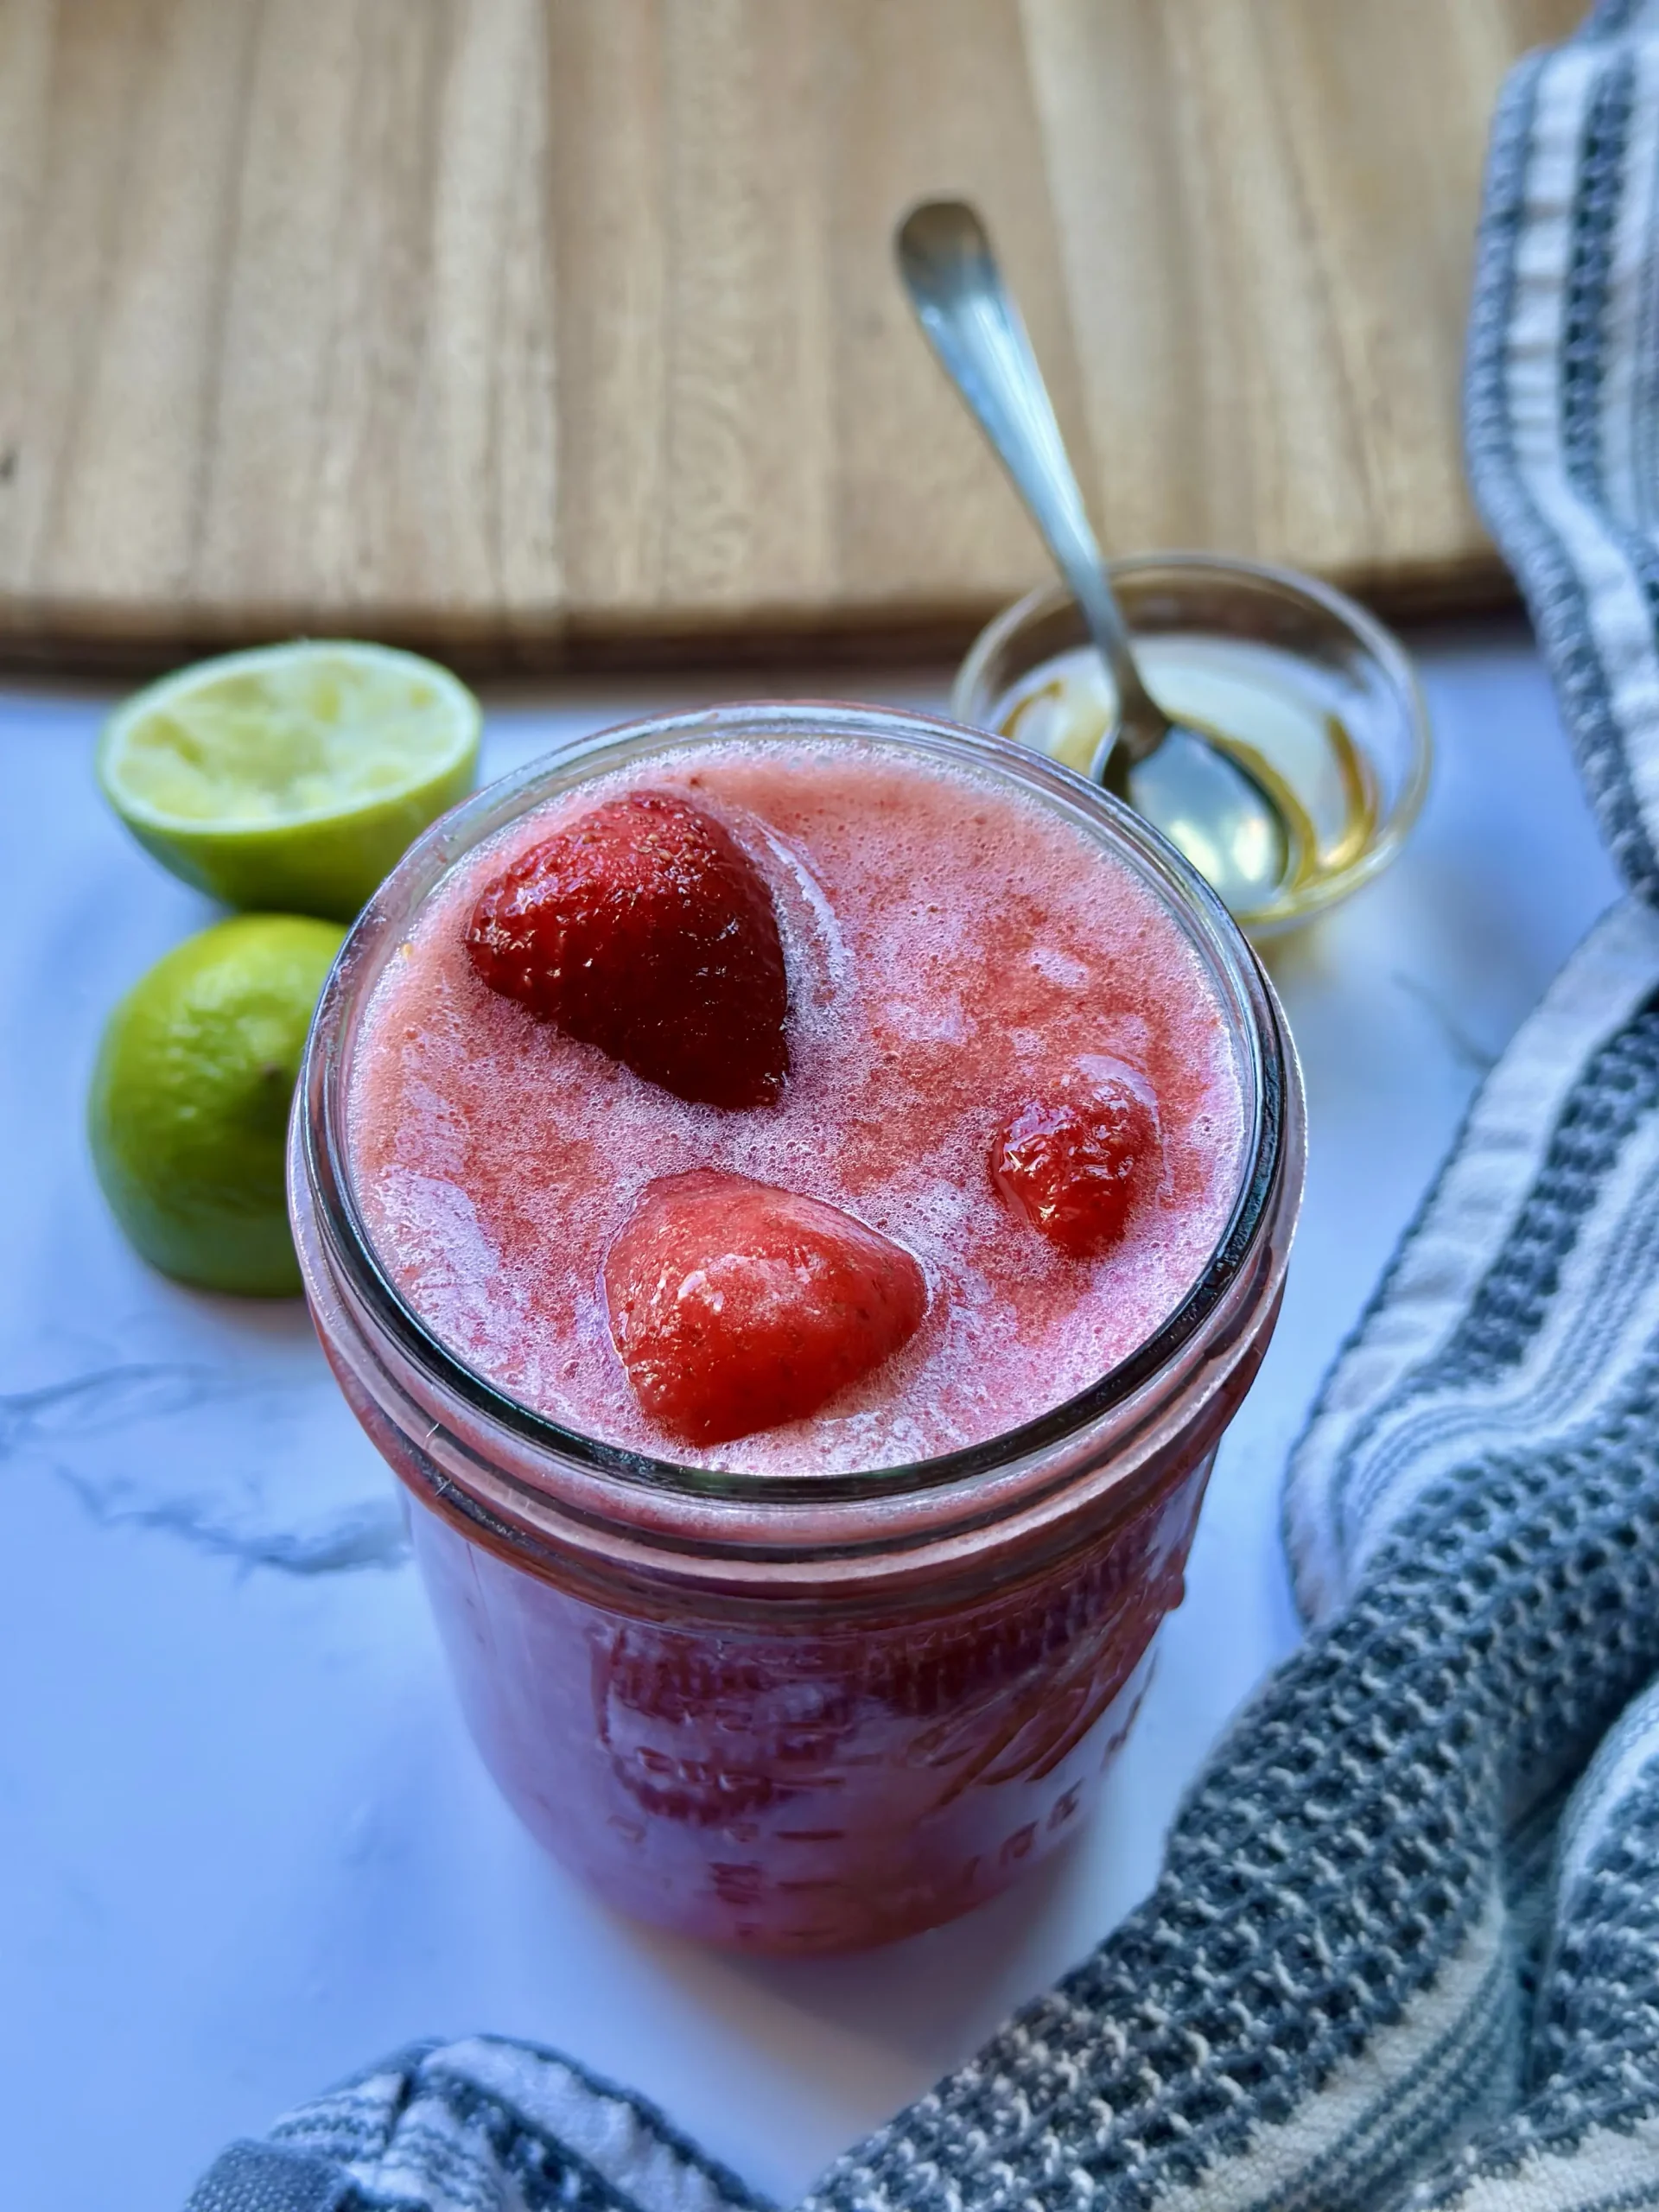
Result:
[1076,1165]
[737,1306]
[646,929]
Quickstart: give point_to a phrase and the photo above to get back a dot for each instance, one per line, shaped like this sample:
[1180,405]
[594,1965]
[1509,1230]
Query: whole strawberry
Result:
[1075,1166]
[736,1306]
[646,929]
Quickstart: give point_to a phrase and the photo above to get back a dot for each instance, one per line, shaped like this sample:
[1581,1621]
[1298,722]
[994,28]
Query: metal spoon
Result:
[1205,802]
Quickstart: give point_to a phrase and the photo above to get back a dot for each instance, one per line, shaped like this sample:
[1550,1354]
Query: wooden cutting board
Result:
[535,330]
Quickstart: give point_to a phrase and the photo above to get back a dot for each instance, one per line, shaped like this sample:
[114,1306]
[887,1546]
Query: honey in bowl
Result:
[1307,691]
[1271,711]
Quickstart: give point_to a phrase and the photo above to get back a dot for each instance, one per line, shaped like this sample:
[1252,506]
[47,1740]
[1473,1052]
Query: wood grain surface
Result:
[536,330]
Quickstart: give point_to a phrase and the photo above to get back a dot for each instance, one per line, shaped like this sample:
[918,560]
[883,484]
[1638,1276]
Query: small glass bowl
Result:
[1341,721]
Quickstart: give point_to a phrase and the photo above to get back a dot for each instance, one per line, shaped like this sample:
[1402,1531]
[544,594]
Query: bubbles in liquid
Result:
[955,950]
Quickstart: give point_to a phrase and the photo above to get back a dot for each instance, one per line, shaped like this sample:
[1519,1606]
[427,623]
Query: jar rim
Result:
[322,1151]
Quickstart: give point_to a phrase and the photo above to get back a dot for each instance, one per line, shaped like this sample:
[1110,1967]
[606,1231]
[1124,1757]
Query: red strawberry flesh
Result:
[646,929]
[736,1307]
[1077,1166]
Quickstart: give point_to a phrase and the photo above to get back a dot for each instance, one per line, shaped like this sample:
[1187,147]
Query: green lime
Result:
[188,1114]
[293,778]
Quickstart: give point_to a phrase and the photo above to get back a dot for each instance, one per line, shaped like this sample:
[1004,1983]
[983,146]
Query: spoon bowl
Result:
[1242,827]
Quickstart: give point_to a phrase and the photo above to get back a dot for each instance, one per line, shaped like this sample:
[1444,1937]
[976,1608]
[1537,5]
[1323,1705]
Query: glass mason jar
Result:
[802,1712]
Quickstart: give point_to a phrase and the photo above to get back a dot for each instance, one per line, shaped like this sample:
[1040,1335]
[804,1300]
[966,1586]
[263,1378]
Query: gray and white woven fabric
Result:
[1404,1951]
[1561,414]
[481,2125]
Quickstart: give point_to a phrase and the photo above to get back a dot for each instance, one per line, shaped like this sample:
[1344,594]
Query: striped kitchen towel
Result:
[485,2125]
[1404,1951]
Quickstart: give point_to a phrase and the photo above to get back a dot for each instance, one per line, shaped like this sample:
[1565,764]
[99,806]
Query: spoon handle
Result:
[970,320]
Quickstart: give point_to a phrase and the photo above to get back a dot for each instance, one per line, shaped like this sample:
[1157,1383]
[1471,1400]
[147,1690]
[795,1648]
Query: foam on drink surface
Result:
[955,950]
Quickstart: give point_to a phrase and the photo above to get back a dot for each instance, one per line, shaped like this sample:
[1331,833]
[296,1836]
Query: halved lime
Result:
[189,1104]
[293,777]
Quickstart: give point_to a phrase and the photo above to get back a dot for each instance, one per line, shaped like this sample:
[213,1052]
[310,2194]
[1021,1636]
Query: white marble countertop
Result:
[244,1845]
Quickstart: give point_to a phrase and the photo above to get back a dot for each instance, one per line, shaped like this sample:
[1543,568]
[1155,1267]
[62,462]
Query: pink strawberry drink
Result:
[802,1476]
